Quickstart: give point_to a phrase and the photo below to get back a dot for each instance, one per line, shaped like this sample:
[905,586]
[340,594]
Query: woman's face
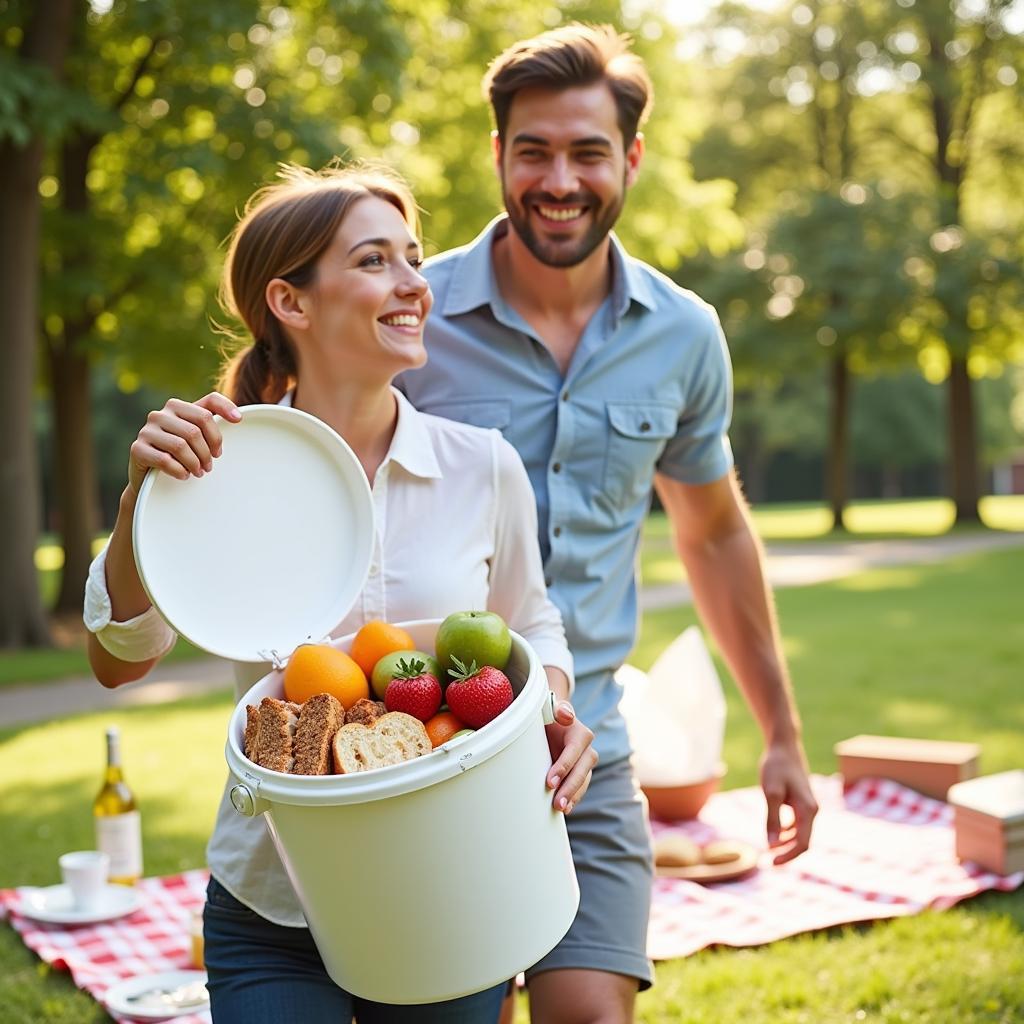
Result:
[368,301]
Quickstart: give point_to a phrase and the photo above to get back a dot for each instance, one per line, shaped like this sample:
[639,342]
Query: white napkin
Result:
[675,714]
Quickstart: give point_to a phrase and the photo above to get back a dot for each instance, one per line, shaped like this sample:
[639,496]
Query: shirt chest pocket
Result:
[637,434]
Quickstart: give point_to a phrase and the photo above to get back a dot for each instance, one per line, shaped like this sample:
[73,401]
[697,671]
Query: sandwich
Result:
[286,737]
[393,738]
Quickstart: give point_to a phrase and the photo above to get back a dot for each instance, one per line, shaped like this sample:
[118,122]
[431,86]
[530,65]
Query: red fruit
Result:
[413,690]
[478,696]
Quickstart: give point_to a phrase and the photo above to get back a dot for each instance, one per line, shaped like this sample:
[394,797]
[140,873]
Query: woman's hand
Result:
[572,755]
[182,438]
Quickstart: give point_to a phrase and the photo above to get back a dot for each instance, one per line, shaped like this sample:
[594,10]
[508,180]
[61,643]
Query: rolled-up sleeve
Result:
[517,590]
[700,453]
[141,638]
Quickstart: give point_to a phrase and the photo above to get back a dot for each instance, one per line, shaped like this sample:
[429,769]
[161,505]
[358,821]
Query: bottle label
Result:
[120,837]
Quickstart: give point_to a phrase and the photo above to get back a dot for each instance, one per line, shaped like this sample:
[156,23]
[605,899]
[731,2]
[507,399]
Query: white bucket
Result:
[431,879]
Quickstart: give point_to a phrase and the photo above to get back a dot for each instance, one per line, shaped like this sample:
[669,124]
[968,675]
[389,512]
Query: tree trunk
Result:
[837,469]
[22,620]
[75,467]
[74,455]
[754,469]
[892,481]
[963,444]
[950,169]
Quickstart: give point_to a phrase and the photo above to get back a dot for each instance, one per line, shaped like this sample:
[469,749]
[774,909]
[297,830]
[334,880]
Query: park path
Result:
[788,565]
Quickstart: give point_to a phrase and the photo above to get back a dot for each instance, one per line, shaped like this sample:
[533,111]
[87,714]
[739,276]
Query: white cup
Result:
[85,873]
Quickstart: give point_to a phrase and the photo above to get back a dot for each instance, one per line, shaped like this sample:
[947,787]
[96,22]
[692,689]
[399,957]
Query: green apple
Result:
[385,669]
[458,735]
[482,637]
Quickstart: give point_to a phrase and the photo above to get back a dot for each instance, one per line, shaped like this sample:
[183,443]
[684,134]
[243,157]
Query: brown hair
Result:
[284,230]
[570,56]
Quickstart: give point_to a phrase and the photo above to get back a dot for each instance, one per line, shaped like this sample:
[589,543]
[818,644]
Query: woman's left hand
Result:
[573,757]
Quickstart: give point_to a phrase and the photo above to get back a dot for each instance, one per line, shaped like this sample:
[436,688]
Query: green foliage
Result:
[202,101]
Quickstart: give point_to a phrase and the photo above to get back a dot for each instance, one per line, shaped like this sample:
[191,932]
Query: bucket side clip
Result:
[245,797]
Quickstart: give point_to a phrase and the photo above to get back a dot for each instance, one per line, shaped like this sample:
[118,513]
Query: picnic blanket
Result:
[879,850]
[153,939]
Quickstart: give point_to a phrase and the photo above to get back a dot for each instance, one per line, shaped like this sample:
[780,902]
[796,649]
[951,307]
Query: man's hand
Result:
[785,781]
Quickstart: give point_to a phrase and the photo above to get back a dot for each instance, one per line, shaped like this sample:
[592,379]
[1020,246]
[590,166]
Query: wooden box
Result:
[929,766]
[988,816]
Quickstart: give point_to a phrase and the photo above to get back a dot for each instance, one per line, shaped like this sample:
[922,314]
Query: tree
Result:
[30,69]
[181,109]
[961,48]
[826,99]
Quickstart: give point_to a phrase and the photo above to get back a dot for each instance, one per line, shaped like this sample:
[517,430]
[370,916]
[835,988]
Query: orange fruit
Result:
[376,639]
[318,668]
[442,727]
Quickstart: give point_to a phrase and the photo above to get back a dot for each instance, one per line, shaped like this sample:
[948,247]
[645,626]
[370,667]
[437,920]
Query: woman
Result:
[323,272]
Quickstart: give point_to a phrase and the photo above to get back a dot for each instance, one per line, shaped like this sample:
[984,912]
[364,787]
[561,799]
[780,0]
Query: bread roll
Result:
[676,851]
[392,739]
[365,711]
[721,851]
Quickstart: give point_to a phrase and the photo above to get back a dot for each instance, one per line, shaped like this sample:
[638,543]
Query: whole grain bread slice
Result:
[392,739]
[273,736]
[320,719]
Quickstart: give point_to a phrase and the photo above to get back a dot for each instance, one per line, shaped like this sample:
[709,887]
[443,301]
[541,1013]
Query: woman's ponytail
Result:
[260,373]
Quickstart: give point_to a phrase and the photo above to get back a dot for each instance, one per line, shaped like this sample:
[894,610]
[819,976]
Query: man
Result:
[609,379]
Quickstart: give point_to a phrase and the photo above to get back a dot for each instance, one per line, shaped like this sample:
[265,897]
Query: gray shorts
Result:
[611,847]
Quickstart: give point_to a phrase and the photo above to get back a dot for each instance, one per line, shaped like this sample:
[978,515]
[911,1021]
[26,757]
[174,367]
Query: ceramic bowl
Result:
[676,803]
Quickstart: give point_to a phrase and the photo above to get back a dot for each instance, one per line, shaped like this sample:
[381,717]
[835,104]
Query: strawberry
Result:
[413,690]
[477,696]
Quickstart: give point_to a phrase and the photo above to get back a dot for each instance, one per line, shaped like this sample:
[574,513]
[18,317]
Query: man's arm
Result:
[724,562]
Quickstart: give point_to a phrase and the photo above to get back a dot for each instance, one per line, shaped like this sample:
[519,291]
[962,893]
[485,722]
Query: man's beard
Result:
[566,253]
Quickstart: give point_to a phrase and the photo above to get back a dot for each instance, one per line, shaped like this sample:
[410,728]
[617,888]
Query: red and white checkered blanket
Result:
[879,850]
[155,938]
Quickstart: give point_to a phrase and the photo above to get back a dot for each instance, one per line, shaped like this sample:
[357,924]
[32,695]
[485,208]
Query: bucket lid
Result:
[270,549]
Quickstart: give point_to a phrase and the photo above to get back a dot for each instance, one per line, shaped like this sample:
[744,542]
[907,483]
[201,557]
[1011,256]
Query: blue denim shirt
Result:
[648,389]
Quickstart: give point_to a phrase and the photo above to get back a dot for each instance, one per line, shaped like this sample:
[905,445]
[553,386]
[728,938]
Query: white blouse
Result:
[456,530]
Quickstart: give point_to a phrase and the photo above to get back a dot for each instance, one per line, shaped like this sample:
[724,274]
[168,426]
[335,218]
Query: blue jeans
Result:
[264,973]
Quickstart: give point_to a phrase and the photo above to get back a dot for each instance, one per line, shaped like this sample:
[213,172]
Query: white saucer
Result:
[53,905]
[118,997]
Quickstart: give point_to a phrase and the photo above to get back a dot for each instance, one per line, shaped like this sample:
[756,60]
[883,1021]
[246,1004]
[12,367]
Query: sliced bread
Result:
[392,739]
[273,738]
[320,718]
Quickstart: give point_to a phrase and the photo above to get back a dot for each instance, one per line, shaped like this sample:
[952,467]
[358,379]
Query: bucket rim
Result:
[444,762]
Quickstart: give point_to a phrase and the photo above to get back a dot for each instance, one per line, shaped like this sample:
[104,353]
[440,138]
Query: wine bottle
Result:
[118,824]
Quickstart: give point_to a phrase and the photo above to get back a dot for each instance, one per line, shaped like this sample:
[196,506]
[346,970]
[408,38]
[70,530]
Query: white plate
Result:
[118,997]
[53,905]
[268,550]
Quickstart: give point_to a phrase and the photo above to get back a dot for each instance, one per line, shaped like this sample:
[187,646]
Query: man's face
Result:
[564,171]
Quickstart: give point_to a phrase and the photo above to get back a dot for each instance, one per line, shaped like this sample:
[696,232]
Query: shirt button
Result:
[565,396]
[374,569]
[557,531]
[644,427]
[556,468]
[547,581]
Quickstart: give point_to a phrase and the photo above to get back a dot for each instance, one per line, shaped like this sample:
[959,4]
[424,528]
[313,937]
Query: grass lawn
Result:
[929,651]
[874,520]
[868,520]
